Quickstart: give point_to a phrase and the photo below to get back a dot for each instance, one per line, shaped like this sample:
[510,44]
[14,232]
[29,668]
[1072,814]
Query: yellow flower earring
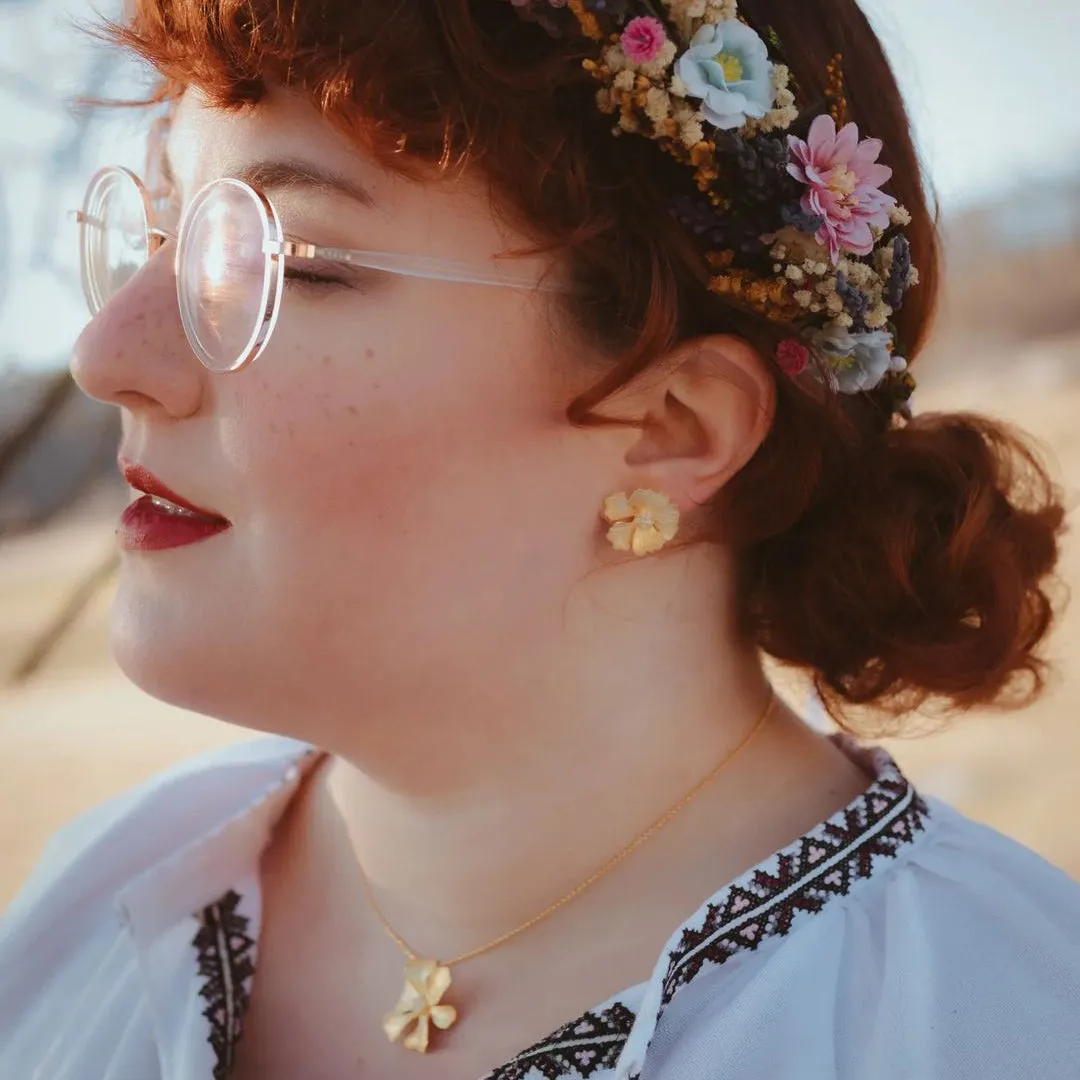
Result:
[642,523]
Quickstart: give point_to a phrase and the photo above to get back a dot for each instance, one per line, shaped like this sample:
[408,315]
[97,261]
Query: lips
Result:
[161,518]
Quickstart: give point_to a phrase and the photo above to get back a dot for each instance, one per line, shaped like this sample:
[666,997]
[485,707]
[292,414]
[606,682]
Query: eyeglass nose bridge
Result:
[157,238]
[81,217]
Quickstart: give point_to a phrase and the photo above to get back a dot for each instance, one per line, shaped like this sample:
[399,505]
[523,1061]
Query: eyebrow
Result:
[287,173]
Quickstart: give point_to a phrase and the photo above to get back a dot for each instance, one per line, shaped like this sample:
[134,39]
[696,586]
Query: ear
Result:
[703,417]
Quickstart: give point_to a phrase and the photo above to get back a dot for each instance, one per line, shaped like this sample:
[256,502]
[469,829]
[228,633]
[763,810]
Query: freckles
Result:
[135,323]
[268,389]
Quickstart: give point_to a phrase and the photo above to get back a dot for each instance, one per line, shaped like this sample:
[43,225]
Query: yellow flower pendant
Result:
[419,1005]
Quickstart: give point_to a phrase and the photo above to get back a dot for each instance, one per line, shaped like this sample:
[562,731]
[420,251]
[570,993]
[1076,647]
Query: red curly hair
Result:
[895,562]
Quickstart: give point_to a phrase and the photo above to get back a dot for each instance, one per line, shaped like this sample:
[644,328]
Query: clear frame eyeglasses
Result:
[230,261]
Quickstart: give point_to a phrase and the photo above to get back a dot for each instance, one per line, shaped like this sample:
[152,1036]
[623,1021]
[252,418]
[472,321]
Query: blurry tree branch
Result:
[13,447]
[44,644]
[19,440]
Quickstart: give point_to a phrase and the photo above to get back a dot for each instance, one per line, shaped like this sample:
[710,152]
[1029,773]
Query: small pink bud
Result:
[642,39]
[792,356]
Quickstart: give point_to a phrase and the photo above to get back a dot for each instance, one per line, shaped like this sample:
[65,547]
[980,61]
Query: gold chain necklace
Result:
[426,981]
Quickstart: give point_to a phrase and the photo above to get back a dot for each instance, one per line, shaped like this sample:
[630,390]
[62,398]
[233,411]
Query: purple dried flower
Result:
[698,215]
[762,166]
[618,10]
[739,229]
[794,215]
[856,302]
[897,284]
[540,12]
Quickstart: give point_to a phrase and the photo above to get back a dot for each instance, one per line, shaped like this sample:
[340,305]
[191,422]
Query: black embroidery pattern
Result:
[581,1048]
[226,964]
[799,880]
[803,877]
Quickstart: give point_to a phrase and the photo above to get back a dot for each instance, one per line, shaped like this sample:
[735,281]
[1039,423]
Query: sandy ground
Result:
[78,733]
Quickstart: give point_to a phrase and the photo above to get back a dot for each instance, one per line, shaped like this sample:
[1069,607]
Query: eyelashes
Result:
[316,282]
[309,278]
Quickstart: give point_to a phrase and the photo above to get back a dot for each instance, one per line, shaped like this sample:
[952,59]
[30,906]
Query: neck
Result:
[530,777]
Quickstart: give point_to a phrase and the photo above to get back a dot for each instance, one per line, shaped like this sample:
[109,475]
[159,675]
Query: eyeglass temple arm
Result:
[421,266]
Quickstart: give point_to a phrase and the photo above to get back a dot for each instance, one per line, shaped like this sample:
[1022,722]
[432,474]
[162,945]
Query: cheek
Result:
[407,445]
[315,444]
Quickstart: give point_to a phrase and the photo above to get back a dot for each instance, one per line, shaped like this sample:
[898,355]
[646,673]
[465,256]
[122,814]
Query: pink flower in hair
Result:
[792,356]
[844,179]
[643,38]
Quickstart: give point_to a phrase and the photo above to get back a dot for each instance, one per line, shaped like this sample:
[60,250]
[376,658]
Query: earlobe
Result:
[705,419]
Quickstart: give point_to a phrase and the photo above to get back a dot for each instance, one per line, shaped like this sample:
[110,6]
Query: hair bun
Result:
[925,577]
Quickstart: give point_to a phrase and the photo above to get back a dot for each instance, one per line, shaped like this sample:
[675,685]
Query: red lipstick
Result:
[161,518]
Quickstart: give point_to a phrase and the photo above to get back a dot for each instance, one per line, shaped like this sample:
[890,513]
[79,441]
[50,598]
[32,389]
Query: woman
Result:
[481,454]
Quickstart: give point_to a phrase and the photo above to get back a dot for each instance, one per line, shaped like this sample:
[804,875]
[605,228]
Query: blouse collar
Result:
[206,866]
[764,903]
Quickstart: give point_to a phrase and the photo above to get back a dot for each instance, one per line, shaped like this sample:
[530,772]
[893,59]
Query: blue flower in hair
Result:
[858,361]
[727,67]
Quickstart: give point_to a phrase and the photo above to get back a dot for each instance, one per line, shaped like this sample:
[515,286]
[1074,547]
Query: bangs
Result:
[417,80]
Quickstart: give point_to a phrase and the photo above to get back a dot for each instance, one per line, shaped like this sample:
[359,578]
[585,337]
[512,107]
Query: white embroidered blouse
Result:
[897,940]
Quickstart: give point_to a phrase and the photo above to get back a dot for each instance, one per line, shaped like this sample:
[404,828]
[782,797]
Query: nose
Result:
[133,352]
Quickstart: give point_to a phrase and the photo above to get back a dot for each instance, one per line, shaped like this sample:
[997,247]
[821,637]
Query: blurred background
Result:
[1003,151]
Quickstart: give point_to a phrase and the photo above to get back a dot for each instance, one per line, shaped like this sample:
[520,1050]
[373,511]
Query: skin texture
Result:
[417,580]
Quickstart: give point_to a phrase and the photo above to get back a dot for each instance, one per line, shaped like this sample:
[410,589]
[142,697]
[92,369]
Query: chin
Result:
[165,650]
[190,651]
[146,664]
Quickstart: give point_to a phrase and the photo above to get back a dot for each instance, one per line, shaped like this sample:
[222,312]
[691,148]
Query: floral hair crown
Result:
[796,229]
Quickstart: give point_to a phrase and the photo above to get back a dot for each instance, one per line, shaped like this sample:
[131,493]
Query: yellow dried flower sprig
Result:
[772,297]
[834,90]
[590,26]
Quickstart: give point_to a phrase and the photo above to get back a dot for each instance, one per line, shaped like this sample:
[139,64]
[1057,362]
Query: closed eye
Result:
[323,277]
[309,277]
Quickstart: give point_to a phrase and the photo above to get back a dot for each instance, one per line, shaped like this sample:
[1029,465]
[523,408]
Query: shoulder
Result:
[93,856]
[961,961]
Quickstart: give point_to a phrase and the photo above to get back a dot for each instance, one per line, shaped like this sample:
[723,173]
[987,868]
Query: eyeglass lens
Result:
[224,275]
[114,236]
[224,279]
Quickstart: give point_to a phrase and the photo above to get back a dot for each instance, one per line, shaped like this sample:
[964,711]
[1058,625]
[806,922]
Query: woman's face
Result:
[406,497]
